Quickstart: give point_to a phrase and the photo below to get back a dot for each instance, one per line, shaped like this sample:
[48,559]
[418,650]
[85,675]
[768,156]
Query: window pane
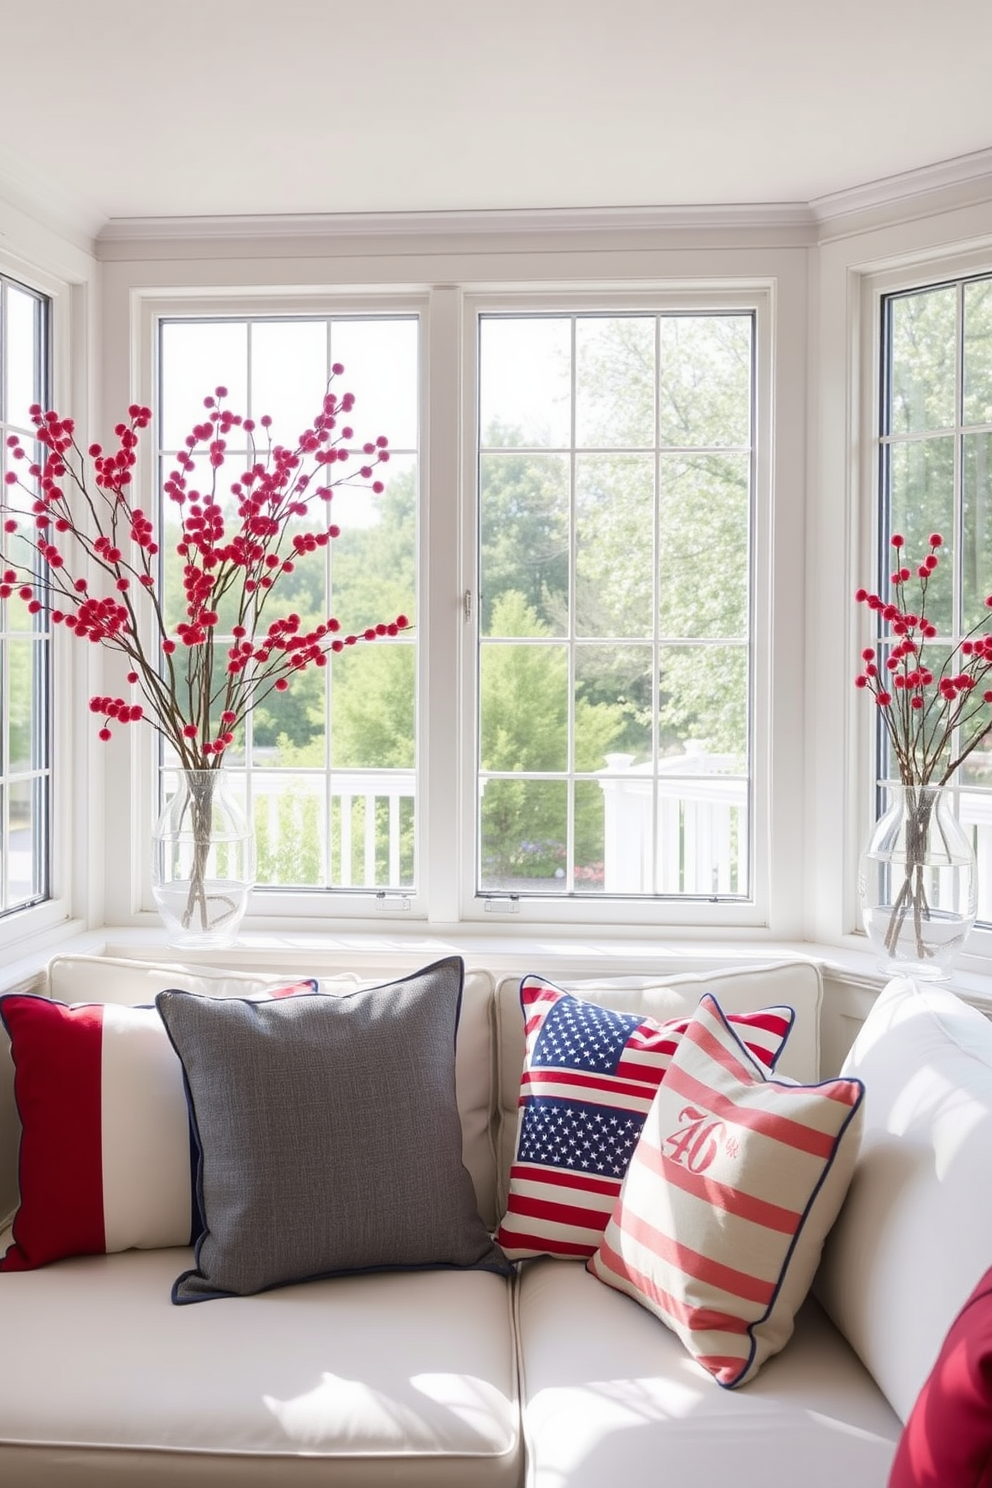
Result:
[371,829]
[523,707]
[976,534]
[25,749]
[23,322]
[923,358]
[705,380]
[704,545]
[197,356]
[525,383]
[524,835]
[288,364]
[289,816]
[352,712]
[978,352]
[589,855]
[26,849]
[21,687]
[372,707]
[614,544]
[657,546]
[614,688]
[704,706]
[374,561]
[380,359]
[921,501]
[289,728]
[525,526]
[615,382]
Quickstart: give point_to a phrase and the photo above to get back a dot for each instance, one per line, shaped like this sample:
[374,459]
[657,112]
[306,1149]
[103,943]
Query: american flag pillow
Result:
[106,1158]
[729,1196]
[589,1077]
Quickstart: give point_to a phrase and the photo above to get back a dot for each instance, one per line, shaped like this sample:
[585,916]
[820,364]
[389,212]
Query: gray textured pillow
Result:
[329,1135]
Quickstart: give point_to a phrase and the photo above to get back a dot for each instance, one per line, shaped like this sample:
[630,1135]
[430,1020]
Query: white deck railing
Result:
[975,815]
[681,832]
[364,851]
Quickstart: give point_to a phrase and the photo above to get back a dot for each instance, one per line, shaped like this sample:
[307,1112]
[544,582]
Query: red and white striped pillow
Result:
[730,1193]
[106,1158]
[590,1074]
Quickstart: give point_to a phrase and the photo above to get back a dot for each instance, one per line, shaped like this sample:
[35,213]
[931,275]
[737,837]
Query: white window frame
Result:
[921,273]
[445,894]
[130,817]
[687,913]
[69,864]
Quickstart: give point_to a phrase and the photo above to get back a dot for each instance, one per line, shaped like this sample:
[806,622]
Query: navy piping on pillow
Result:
[785,1085]
[498,1264]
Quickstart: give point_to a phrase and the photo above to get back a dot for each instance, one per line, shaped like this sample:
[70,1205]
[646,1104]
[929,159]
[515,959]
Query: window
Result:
[616,485]
[935,474]
[25,747]
[577,516]
[328,767]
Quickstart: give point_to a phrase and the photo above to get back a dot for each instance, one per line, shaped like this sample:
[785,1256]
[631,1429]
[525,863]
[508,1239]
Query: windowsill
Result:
[374,952]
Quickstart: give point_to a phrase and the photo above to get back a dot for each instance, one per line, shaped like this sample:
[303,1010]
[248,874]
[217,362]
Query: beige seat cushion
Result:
[610,1395]
[394,1378]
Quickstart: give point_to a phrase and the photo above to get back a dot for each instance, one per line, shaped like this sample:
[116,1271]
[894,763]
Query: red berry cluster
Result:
[241,566]
[933,719]
[118,709]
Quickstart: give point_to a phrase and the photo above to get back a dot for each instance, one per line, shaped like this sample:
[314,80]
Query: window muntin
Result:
[616,486]
[935,475]
[328,768]
[25,641]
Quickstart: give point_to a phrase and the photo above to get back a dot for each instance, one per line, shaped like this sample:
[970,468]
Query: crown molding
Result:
[908,191]
[523,222]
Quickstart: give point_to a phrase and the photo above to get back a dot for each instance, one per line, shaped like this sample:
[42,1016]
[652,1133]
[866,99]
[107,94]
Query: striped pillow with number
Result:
[589,1077]
[728,1198]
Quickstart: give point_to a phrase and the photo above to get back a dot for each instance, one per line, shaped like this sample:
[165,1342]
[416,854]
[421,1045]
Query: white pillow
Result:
[915,1232]
[138,983]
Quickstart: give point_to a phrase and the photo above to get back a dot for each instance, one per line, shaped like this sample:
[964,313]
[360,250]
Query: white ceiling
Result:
[152,108]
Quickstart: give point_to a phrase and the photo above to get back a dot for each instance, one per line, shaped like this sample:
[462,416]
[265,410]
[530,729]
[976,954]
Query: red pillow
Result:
[106,1159]
[947,1441]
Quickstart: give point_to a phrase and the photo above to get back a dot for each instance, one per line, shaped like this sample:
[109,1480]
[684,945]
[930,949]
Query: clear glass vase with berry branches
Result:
[203,860]
[918,875]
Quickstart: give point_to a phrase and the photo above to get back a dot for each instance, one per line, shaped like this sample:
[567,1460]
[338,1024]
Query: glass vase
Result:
[918,883]
[203,861]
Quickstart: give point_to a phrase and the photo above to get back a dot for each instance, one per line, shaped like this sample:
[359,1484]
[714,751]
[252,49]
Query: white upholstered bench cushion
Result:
[393,1378]
[610,1395]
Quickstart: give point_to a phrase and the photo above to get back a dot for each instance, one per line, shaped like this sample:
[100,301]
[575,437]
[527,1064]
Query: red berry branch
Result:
[934,714]
[92,555]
